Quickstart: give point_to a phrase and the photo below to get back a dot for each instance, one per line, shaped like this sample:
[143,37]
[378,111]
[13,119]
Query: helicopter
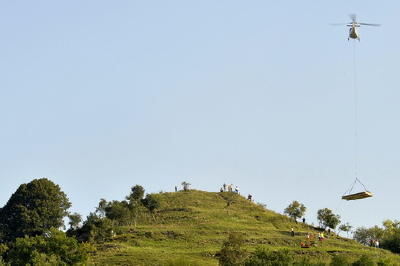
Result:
[353,31]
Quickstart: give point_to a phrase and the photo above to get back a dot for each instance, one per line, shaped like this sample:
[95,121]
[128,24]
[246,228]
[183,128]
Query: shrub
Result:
[340,260]
[232,252]
[267,257]
[364,260]
[54,249]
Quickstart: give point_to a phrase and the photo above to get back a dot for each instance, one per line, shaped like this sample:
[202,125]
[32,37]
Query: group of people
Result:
[374,243]
[310,240]
[229,188]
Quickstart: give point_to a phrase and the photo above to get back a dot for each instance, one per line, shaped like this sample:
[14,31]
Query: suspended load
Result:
[359,195]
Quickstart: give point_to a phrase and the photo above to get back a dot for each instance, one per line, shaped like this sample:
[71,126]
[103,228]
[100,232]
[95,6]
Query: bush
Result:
[340,260]
[54,249]
[392,242]
[267,257]
[364,261]
[94,229]
[232,252]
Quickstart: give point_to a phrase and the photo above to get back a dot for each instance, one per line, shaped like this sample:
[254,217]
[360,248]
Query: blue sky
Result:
[101,95]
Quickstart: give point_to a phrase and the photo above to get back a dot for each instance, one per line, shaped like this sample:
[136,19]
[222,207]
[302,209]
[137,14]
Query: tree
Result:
[118,211]
[54,249]
[151,202]
[74,220]
[185,185]
[135,199]
[136,195]
[101,208]
[94,229]
[232,252]
[345,228]
[367,235]
[295,210]
[327,218]
[33,209]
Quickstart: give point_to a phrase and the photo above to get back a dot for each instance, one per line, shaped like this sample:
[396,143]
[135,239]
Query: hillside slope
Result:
[191,227]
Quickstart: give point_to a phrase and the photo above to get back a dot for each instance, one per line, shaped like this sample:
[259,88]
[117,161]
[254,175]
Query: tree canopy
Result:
[33,209]
[295,210]
[327,218]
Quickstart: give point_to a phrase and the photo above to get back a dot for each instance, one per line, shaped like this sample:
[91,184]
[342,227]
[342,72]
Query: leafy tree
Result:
[232,252]
[185,185]
[392,242]
[295,210]
[265,257]
[118,211]
[54,249]
[151,202]
[367,235]
[135,199]
[74,220]
[101,208]
[327,218]
[136,195]
[345,228]
[94,229]
[33,209]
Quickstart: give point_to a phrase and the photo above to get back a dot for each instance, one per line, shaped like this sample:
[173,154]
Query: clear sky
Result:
[101,95]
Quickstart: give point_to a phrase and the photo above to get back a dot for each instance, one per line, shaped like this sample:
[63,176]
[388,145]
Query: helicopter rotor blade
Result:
[353,17]
[370,24]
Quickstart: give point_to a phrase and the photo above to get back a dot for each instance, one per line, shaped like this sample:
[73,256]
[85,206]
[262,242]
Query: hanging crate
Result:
[357,196]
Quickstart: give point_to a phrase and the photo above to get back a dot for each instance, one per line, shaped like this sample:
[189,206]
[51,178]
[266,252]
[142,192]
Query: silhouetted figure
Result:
[304,220]
[176,189]
[249,197]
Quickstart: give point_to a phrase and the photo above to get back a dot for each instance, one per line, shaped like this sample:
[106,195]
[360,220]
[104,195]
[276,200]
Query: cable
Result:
[355,88]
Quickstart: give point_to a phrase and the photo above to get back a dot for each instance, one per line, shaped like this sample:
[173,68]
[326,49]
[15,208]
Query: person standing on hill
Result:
[292,233]
[224,187]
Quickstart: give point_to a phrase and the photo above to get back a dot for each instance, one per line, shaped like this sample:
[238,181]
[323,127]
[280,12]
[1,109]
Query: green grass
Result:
[190,227]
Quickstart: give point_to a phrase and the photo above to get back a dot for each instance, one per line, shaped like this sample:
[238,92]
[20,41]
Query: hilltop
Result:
[190,227]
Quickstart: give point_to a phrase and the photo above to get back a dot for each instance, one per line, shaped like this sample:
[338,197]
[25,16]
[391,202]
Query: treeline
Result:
[31,220]
[388,236]
[233,252]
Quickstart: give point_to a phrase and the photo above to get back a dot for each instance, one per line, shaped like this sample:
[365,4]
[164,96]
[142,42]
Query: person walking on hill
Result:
[237,190]
[249,197]
[292,232]
[224,187]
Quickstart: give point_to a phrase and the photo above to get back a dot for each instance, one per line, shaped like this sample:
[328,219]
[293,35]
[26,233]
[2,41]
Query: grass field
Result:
[190,227]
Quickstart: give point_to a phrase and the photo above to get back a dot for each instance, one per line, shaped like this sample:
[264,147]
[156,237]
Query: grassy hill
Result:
[190,227]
